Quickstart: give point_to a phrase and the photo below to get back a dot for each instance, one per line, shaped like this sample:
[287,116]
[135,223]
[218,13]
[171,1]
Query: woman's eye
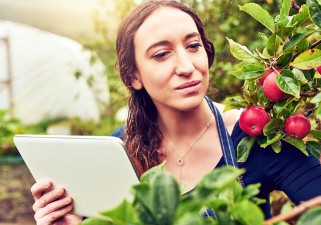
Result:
[194,46]
[160,55]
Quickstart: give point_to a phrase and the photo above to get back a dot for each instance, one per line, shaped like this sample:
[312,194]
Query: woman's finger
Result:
[53,207]
[48,198]
[39,188]
[50,218]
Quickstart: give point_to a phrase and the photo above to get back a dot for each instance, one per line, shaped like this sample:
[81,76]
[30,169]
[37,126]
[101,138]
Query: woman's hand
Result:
[52,205]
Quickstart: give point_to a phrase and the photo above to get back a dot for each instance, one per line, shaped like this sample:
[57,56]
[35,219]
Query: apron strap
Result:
[228,149]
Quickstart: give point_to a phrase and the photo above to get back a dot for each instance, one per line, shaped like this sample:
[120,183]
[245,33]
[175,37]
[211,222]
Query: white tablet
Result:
[95,171]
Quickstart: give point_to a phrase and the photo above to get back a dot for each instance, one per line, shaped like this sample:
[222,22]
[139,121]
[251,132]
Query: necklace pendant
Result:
[180,162]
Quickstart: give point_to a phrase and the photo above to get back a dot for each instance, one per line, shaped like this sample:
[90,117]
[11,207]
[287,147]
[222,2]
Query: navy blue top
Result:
[290,171]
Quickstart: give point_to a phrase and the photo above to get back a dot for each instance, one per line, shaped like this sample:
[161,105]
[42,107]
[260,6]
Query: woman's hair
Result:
[142,135]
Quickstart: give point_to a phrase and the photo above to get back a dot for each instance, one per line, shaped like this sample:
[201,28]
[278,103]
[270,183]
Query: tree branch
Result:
[315,44]
[296,211]
[294,5]
[309,94]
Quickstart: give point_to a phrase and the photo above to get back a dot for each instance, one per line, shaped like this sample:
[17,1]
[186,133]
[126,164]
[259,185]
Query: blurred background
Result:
[57,74]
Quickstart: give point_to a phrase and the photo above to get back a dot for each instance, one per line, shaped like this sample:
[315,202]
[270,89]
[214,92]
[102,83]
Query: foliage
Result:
[158,200]
[292,44]
[10,127]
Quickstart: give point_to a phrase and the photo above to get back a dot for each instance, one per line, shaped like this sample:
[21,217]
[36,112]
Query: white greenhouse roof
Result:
[43,84]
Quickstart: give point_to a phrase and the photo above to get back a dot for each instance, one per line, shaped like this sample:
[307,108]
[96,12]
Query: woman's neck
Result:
[179,124]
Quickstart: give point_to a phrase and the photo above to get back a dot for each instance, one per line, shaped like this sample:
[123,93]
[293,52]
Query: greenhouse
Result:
[44,75]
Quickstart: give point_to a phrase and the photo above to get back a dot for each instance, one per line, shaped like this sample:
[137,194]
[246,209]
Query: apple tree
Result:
[282,78]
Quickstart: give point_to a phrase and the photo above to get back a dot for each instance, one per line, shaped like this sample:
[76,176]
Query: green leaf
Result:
[244,147]
[260,14]
[123,214]
[271,139]
[276,146]
[217,180]
[303,45]
[234,102]
[315,148]
[273,44]
[96,221]
[316,99]
[311,217]
[298,143]
[316,134]
[156,197]
[307,60]
[316,82]
[272,126]
[286,81]
[165,197]
[191,219]
[296,39]
[241,213]
[315,11]
[318,111]
[303,14]
[249,72]
[224,218]
[284,60]
[241,52]
[281,223]
[285,108]
[285,8]
[251,190]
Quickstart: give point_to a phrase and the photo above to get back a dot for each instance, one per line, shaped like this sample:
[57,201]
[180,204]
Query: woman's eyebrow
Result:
[165,42]
[160,43]
[191,35]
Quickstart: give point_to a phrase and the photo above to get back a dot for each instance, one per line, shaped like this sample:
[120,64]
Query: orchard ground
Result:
[15,197]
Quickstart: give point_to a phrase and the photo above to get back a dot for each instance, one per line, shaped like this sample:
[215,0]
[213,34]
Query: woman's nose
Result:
[185,66]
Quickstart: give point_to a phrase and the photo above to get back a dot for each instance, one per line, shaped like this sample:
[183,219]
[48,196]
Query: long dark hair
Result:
[142,136]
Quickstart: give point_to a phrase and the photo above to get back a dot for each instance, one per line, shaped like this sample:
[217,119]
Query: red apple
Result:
[272,90]
[266,72]
[319,69]
[253,119]
[297,126]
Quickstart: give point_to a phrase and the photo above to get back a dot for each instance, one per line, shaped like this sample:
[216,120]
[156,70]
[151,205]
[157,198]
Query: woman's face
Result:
[171,61]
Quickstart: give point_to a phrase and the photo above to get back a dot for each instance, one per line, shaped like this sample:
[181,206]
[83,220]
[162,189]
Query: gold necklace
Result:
[180,160]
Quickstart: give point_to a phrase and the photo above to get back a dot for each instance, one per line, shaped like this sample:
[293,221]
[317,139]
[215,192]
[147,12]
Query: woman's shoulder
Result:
[230,117]
[119,132]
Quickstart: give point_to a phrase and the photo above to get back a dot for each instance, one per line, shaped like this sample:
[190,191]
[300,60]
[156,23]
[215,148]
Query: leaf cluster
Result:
[158,200]
[291,44]
[218,199]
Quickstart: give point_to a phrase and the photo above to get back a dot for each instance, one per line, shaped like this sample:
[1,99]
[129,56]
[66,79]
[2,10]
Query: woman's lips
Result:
[189,86]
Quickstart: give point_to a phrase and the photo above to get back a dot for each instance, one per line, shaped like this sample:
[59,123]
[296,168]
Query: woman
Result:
[164,56]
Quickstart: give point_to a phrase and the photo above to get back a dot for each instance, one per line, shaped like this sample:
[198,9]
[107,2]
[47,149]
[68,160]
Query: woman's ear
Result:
[136,83]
